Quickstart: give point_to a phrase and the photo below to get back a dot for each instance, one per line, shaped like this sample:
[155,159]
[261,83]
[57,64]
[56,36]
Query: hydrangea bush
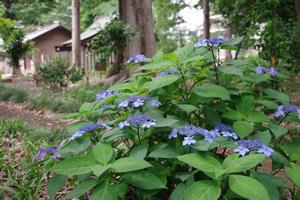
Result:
[187,126]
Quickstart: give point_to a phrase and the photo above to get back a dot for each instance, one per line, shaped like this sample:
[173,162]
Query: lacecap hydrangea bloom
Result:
[136,59]
[246,146]
[262,70]
[214,42]
[138,101]
[190,131]
[42,153]
[167,73]
[106,93]
[282,110]
[88,128]
[142,121]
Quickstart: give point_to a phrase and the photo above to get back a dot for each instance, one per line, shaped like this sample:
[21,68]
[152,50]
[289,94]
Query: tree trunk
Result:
[75,33]
[228,55]
[138,15]
[206,23]
[16,71]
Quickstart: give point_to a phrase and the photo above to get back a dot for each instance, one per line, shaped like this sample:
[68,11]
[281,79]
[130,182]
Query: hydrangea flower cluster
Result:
[261,70]
[189,131]
[167,73]
[136,59]
[138,120]
[42,153]
[88,128]
[214,42]
[138,101]
[106,93]
[245,146]
[282,110]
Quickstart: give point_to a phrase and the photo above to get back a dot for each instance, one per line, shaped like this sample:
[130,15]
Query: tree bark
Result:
[206,23]
[75,33]
[228,55]
[138,15]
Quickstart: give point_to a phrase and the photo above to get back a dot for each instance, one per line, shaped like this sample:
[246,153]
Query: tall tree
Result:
[206,22]
[75,33]
[138,15]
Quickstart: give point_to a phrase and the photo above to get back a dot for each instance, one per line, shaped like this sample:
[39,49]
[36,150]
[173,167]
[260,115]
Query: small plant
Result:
[56,73]
[12,94]
[188,126]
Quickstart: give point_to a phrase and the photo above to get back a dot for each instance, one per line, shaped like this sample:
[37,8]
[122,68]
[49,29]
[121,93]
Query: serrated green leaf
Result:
[203,190]
[231,70]
[293,173]
[161,82]
[82,188]
[139,151]
[129,164]
[280,96]
[212,91]
[242,128]
[233,115]
[278,130]
[55,184]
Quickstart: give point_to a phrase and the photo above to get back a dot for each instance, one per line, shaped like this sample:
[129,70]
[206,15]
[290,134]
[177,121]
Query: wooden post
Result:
[75,33]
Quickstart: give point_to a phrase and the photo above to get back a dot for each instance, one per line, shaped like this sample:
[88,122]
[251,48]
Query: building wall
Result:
[44,49]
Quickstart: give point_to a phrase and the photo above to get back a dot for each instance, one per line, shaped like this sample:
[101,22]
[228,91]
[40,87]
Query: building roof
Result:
[92,30]
[44,30]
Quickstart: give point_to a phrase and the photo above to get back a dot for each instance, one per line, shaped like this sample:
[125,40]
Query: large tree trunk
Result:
[138,15]
[228,55]
[206,23]
[75,33]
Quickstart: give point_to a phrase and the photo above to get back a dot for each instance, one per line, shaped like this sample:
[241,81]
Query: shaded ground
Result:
[40,118]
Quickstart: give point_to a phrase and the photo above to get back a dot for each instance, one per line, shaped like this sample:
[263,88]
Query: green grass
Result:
[12,94]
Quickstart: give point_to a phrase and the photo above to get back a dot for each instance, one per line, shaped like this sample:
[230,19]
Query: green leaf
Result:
[55,184]
[235,164]
[76,146]
[75,166]
[105,191]
[203,190]
[270,182]
[179,192]
[146,180]
[293,173]
[245,104]
[231,70]
[257,117]
[233,115]
[280,96]
[248,188]
[82,188]
[139,151]
[188,108]
[129,164]
[86,107]
[165,122]
[164,152]
[172,57]
[279,158]
[264,136]
[161,82]
[103,153]
[215,91]
[267,104]
[242,128]
[292,149]
[100,169]
[204,162]
[211,116]
[278,130]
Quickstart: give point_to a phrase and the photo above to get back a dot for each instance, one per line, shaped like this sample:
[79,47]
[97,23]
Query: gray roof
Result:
[93,29]
[42,31]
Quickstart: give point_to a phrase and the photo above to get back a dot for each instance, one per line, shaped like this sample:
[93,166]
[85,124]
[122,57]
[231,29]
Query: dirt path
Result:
[40,118]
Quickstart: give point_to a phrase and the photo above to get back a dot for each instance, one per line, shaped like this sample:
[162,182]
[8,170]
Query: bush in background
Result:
[12,94]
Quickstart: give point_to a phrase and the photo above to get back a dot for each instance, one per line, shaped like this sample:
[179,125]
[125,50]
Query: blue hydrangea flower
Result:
[167,73]
[42,153]
[272,71]
[246,146]
[138,120]
[88,128]
[260,70]
[225,131]
[138,101]
[106,93]
[282,110]
[136,59]
[214,42]
[188,140]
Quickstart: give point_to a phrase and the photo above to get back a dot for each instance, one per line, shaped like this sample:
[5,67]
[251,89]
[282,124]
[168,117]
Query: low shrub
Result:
[188,126]
[12,94]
